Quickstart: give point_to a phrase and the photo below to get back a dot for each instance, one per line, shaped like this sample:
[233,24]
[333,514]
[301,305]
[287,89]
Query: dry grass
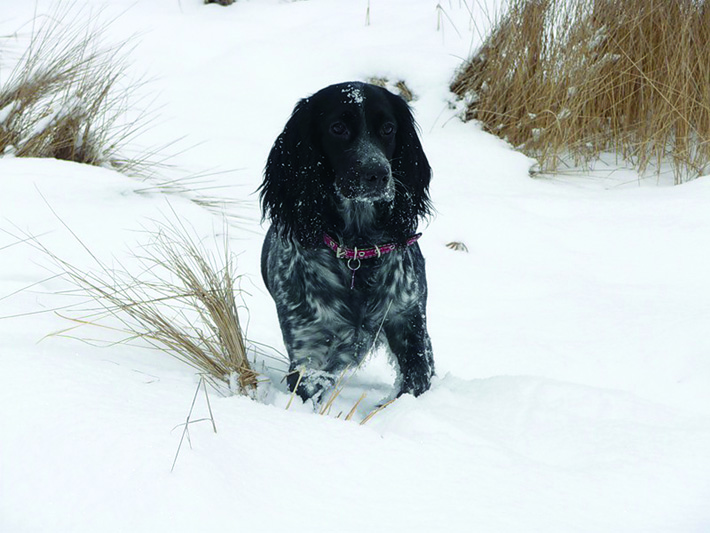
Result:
[69,98]
[183,303]
[457,246]
[566,80]
[65,96]
[399,87]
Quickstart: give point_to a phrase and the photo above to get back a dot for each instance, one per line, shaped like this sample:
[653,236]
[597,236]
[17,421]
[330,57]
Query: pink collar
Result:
[365,253]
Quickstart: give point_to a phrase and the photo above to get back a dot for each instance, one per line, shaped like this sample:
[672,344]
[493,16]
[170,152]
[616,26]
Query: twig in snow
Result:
[185,432]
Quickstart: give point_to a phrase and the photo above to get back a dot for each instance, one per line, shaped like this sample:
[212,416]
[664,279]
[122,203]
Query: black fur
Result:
[349,162]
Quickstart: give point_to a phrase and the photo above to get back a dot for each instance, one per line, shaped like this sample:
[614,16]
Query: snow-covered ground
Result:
[571,341]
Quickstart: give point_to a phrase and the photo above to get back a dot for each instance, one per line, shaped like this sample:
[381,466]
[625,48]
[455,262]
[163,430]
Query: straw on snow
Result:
[182,303]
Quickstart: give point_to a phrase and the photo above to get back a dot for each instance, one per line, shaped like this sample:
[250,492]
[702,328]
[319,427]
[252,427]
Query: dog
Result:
[345,186]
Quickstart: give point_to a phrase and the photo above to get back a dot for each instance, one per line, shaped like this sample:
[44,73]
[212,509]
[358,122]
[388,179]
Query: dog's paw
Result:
[310,384]
[415,383]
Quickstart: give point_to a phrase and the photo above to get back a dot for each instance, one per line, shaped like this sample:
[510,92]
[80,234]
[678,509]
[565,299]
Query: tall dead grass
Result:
[181,299]
[69,97]
[65,96]
[566,80]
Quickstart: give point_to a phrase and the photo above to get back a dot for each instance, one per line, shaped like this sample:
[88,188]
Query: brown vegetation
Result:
[566,80]
[63,99]
[183,302]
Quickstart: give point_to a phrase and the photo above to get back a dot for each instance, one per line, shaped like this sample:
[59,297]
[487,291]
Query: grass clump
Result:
[399,87]
[183,303]
[69,98]
[64,97]
[567,80]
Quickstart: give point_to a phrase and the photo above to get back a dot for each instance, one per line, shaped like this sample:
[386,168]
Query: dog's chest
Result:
[314,282]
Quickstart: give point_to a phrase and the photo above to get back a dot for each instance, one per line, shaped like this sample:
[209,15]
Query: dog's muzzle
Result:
[368,177]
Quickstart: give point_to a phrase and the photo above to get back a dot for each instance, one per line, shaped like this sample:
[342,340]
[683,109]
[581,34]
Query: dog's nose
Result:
[371,173]
[374,173]
[378,176]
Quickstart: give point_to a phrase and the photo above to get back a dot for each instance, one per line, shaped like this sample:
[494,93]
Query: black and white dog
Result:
[345,185]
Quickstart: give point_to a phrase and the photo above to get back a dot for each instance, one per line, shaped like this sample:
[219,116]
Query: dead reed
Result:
[399,87]
[65,96]
[69,98]
[567,80]
[183,302]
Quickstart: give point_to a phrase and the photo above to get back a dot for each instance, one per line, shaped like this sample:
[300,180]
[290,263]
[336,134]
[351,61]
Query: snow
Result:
[6,111]
[571,344]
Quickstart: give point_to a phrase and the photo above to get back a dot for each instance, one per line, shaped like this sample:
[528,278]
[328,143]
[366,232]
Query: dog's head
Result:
[348,142]
[357,135]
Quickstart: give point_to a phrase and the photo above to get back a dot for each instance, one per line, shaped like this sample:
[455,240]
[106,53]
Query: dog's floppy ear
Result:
[295,179]
[409,166]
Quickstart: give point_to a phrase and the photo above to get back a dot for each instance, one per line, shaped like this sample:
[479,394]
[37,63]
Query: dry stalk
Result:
[293,393]
[337,389]
[354,408]
[376,410]
[186,432]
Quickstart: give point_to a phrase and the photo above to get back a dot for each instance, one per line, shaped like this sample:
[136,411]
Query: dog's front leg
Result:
[410,345]
[319,356]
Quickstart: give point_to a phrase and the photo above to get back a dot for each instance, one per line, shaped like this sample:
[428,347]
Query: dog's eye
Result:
[339,129]
[387,129]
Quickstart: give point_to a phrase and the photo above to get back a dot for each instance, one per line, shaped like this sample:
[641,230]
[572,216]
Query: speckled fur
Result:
[327,325]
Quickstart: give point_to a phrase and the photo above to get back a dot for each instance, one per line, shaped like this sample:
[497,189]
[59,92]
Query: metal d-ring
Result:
[354,268]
